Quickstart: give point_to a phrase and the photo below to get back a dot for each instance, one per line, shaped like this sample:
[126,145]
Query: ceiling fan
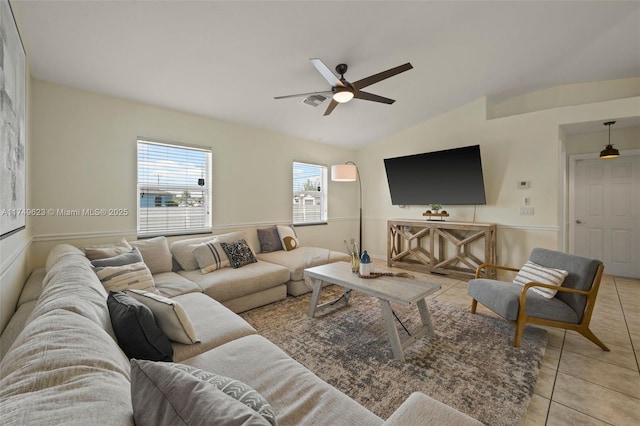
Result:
[342,91]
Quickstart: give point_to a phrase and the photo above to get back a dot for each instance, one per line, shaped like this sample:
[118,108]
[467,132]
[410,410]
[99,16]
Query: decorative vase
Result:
[355,263]
[365,264]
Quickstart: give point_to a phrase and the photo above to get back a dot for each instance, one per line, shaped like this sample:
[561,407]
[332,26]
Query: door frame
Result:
[571,214]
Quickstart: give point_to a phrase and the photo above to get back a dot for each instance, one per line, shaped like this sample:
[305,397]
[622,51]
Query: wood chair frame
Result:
[582,327]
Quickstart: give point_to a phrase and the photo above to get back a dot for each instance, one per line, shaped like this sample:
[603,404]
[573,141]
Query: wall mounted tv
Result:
[449,177]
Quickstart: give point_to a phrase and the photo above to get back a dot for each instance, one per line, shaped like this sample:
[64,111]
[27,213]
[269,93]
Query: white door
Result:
[606,213]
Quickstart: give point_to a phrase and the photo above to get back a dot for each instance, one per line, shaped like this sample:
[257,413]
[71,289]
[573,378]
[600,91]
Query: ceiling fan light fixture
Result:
[342,95]
[609,151]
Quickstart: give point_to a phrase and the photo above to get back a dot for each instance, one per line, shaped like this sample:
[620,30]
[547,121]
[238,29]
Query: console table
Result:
[449,248]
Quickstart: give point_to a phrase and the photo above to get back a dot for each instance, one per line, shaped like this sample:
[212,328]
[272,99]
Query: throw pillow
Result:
[239,253]
[118,278]
[210,256]
[169,315]
[163,395]
[537,273]
[269,239]
[156,254]
[136,330]
[235,389]
[102,251]
[288,237]
[127,258]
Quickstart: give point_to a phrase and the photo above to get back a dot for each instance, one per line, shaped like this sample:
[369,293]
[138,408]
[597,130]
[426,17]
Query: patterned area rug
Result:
[470,364]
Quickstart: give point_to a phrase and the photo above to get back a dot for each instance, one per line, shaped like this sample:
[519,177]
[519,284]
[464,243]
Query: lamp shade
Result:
[344,173]
[609,152]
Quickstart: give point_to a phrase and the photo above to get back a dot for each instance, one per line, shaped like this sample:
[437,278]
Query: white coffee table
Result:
[387,289]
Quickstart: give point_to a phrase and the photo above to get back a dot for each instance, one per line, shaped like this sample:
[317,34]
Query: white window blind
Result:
[309,193]
[174,196]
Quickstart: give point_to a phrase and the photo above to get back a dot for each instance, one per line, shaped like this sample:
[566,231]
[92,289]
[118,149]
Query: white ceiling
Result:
[228,60]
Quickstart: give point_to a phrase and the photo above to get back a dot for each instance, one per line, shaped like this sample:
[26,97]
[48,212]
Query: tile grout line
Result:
[626,323]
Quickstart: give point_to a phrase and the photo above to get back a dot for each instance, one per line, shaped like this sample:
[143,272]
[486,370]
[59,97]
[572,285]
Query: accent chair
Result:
[570,308]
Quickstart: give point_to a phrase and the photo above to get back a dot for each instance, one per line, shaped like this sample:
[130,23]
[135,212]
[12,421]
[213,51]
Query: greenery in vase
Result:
[436,207]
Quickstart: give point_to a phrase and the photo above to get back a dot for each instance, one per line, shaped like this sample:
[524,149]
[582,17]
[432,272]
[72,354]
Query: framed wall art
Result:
[12,125]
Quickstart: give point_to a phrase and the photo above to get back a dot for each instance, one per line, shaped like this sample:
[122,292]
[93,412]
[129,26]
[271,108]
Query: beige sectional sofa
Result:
[61,362]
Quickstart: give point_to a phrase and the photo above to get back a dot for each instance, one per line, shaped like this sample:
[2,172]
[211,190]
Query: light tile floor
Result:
[579,384]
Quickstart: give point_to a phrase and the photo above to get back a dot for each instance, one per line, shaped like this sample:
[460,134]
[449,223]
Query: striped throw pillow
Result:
[537,273]
[118,278]
[210,256]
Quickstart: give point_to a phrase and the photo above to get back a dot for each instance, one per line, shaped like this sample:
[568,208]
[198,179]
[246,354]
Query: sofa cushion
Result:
[182,251]
[419,408]
[101,251]
[531,271]
[239,253]
[15,326]
[155,253]
[171,284]
[138,334]
[228,283]
[169,315]
[33,287]
[210,256]
[64,369]
[118,278]
[213,323]
[301,258]
[269,239]
[72,285]
[288,238]
[297,395]
[127,258]
[164,395]
[60,251]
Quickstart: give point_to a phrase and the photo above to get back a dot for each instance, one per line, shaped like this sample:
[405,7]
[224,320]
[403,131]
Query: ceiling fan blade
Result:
[371,97]
[326,73]
[368,81]
[331,107]
[326,92]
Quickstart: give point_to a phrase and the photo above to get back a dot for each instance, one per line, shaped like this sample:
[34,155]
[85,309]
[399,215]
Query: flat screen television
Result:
[449,177]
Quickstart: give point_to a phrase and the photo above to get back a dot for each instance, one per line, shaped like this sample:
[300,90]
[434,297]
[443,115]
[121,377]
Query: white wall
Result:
[513,148]
[85,157]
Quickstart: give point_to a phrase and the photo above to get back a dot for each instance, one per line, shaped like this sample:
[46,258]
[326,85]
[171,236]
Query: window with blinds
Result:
[174,189]
[309,194]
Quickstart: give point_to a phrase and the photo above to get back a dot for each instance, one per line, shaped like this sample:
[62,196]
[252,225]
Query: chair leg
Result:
[586,332]
[474,305]
[518,336]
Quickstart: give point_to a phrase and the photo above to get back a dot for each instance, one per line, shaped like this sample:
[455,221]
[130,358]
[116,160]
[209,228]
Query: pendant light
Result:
[609,151]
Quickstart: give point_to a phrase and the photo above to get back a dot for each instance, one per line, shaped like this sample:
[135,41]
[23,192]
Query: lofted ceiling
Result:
[228,60]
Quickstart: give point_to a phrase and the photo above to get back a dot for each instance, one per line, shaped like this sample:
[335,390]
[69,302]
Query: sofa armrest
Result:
[421,409]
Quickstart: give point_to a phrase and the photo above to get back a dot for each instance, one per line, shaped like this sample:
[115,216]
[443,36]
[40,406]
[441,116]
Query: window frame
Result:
[324,194]
[206,190]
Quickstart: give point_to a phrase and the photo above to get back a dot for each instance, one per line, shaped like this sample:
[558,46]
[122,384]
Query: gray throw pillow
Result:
[239,253]
[136,330]
[269,239]
[164,395]
[235,389]
[127,258]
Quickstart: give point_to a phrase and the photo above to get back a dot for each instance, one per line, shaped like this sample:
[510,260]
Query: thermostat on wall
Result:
[523,184]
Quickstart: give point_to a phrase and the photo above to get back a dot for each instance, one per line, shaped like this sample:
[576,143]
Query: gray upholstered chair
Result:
[570,308]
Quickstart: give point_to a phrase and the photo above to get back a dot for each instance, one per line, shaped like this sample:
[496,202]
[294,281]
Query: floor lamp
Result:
[348,172]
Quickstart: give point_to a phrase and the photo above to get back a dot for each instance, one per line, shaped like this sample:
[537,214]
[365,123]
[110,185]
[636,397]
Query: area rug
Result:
[469,364]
